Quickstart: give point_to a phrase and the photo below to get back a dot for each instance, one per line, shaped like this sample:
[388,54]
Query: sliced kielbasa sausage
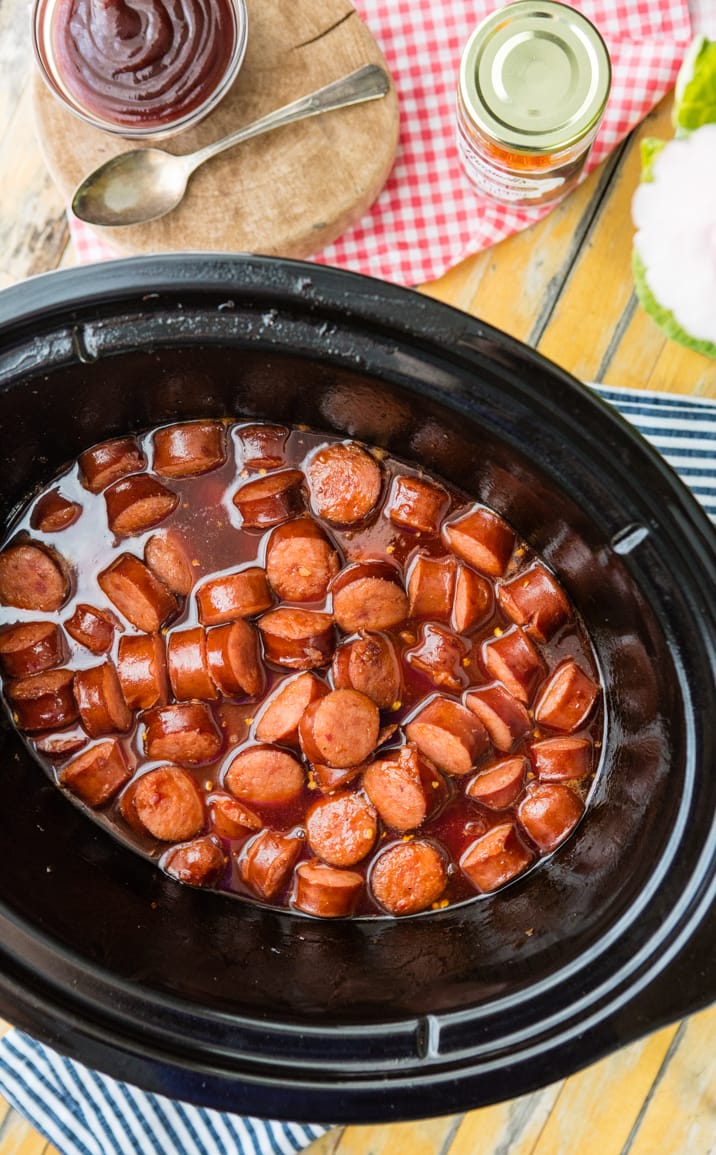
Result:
[98,774]
[264,775]
[230,819]
[298,639]
[54,512]
[32,577]
[234,658]
[184,733]
[189,449]
[328,779]
[267,501]
[168,804]
[404,787]
[495,858]
[408,877]
[100,701]
[341,828]
[325,891]
[482,539]
[300,561]
[92,628]
[188,666]
[137,593]
[345,483]
[280,717]
[431,584]
[566,701]
[473,602]
[167,557]
[505,719]
[549,812]
[439,654]
[562,759]
[370,664]
[137,503]
[198,863]
[418,504]
[500,784]
[369,596]
[261,446]
[340,729]
[142,671]
[235,595]
[31,647]
[62,744]
[534,600]
[267,860]
[512,659]
[107,462]
[449,735]
[43,701]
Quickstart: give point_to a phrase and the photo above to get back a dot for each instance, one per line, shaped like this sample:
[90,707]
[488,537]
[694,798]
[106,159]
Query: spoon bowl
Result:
[146,183]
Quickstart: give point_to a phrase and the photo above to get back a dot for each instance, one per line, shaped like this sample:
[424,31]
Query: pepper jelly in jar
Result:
[534,82]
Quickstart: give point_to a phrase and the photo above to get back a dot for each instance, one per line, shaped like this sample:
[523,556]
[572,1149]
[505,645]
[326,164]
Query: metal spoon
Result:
[146,183]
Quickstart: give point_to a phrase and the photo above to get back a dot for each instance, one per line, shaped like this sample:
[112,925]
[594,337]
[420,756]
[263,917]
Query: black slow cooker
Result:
[210,999]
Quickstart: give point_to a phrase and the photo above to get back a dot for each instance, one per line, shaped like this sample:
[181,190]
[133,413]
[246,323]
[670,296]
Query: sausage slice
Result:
[184,733]
[418,504]
[562,759]
[300,561]
[136,503]
[142,671]
[188,666]
[439,655]
[263,775]
[32,577]
[43,701]
[345,483]
[97,774]
[230,819]
[92,628]
[261,446]
[431,585]
[234,658]
[449,735]
[267,861]
[54,512]
[496,858]
[198,863]
[534,600]
[324,891]
[482,539]
[189,449]
[62,744]
[100,701]
[549,812]
[31,647]
[298,639]
[137,593]
[371,665]
[328,779]
[340,729]
[408,877]
[166,556]
[566,701]
[236,595]
[280,717]
[341,828]
[473,602]
[512,659]
[499,785]
[505,719]
[107,462]
[404,787]
[267,501]
[369,596]
[168,804]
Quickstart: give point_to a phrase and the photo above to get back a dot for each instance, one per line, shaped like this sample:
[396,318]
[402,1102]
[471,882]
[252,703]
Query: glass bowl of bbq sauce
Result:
[143,68]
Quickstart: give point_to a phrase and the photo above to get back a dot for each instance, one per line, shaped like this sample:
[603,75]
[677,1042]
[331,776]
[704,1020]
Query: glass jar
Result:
[150,71]
[534,81]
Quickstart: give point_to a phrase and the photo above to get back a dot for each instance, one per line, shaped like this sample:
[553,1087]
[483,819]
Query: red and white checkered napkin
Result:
[428,217]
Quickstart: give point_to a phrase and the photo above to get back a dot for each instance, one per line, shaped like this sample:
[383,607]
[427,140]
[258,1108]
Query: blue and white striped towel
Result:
[83,1113]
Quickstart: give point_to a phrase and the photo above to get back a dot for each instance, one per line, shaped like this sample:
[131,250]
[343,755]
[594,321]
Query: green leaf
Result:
[695,96]
[651,146]
[664,318]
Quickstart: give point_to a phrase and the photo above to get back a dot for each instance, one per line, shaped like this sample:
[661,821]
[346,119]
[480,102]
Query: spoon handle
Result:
[368,83]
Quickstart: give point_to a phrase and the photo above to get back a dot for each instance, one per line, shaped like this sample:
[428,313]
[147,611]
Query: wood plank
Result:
[18,1137]
[680,1114]
[426,1137]
[510,1128]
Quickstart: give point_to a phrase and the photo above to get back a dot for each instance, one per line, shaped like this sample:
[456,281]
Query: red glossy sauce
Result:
[142,64]
[210,526]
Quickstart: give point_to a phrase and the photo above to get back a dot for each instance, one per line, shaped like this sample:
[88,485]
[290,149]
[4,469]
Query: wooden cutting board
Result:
[288,193]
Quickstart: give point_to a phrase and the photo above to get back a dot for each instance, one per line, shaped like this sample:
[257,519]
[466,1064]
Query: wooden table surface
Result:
[563,286]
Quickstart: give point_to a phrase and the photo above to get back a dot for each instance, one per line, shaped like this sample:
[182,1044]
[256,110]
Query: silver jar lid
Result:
[535,76]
